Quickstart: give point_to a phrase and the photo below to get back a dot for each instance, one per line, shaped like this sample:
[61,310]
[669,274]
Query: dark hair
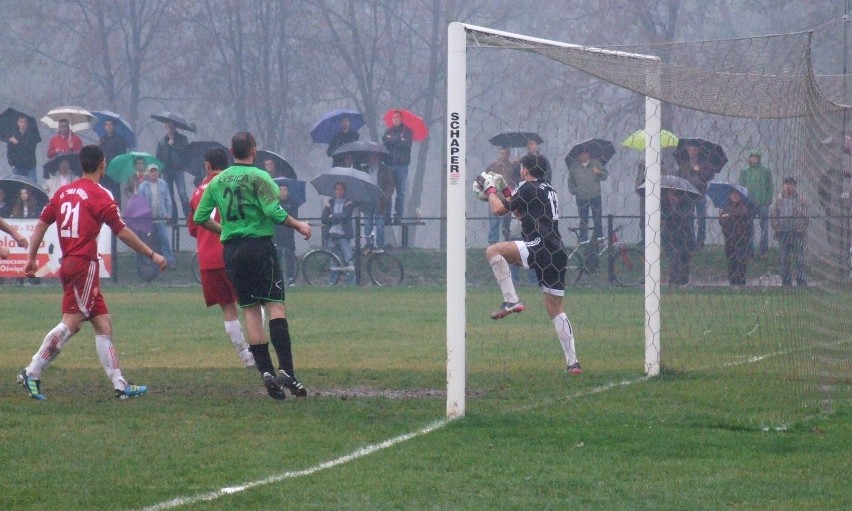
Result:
[138,159]
[790,179]
[217,158]
[91,157]
[534,163]
[242,144]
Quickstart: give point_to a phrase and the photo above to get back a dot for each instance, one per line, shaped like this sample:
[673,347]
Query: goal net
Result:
[747,319]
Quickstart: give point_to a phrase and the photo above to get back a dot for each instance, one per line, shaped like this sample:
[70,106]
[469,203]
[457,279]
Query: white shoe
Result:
[247,358]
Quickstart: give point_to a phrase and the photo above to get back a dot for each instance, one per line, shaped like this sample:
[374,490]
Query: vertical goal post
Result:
[457,191]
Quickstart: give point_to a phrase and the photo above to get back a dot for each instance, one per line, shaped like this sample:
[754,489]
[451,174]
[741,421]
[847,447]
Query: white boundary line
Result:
[360,453]
[370,449]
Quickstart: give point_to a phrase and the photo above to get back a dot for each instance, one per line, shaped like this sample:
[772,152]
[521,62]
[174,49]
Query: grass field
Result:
[374,362]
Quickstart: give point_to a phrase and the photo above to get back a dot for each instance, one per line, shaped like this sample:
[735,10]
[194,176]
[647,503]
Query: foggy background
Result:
[273,68]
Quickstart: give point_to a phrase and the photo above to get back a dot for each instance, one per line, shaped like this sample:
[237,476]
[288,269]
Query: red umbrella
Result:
[414,123]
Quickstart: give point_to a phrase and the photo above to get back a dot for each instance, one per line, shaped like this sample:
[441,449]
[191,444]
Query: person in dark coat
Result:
[398,139]
[677,211]
[344,136]
[699,172]
[171,150]
[735,218]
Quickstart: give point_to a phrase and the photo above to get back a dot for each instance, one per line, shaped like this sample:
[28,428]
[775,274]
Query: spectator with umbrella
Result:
[21,135]
[65,140]
[586,169]
[171,151]
[344,136]
[397,139]
[698,160]
[533,146]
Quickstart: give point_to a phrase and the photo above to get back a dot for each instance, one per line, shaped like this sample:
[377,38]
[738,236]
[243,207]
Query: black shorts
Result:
[253,268]
[549,266]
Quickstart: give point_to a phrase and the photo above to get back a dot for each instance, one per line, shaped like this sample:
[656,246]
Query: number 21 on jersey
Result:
[70,227]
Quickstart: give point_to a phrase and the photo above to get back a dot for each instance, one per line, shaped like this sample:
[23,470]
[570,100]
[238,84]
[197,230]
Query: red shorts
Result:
[217,288]
[81,285]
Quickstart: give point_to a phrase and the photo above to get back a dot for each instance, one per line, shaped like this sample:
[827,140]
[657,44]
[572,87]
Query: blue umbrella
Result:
[296,188]
[121,127]
[329,125]
[719,192]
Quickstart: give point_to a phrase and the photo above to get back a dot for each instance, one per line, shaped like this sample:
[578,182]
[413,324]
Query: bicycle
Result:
[626,264]
[323,266]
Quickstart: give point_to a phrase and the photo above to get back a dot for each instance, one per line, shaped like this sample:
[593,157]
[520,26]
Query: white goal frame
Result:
[457,192]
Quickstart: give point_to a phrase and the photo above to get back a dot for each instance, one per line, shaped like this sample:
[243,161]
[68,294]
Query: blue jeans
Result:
[498,224]
[583,206]
[30,173]
[164,236]
[174,179]
[400,174]
[344,247]
[371,219]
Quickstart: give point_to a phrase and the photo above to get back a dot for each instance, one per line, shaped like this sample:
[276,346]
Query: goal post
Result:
[458,184]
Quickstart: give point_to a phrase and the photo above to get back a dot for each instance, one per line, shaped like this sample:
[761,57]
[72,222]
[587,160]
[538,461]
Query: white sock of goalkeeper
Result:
[504,277]
[566,337]
[235,332]
[49,350]
[109,359]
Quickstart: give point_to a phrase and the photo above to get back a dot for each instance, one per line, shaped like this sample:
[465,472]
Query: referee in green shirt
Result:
[247,200]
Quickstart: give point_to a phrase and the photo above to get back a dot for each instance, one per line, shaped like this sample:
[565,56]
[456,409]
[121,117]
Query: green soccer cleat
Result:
[31,385]
[131,391]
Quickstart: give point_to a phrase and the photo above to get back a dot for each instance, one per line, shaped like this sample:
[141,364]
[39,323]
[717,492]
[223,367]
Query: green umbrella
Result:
[637,140]
[122,166]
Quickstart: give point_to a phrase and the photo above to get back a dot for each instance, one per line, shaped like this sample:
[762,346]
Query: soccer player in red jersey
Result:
[80,209]
[215,285]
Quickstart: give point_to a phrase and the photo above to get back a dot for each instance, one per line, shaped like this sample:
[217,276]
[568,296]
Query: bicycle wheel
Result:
[576,265]
[196,270]
[385,270]
[628,266]
[316,268]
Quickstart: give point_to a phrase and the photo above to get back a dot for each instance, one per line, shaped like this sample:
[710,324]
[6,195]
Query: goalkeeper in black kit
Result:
[534,202]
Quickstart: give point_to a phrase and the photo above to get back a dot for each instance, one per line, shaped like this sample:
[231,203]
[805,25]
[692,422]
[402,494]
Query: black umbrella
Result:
[675,183]
[282,167]
[710,152]
[194,156]
[361,151]
[598,149]
[11,185]
[52,166]
[515,138]
[9,124]
[180,121]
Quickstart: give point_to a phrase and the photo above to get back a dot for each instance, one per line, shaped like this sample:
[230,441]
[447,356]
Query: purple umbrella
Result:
[137,215]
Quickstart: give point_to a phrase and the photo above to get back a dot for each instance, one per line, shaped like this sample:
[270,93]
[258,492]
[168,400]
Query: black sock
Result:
[261,358]
[279,333]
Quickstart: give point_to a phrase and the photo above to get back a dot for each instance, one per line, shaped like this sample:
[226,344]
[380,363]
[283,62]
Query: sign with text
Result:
[49,255]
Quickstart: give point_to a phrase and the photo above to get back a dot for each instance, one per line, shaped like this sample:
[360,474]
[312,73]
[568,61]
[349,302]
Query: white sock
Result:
[566,337]
[235,332]
[504,277]
[109,360]
[49,350]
